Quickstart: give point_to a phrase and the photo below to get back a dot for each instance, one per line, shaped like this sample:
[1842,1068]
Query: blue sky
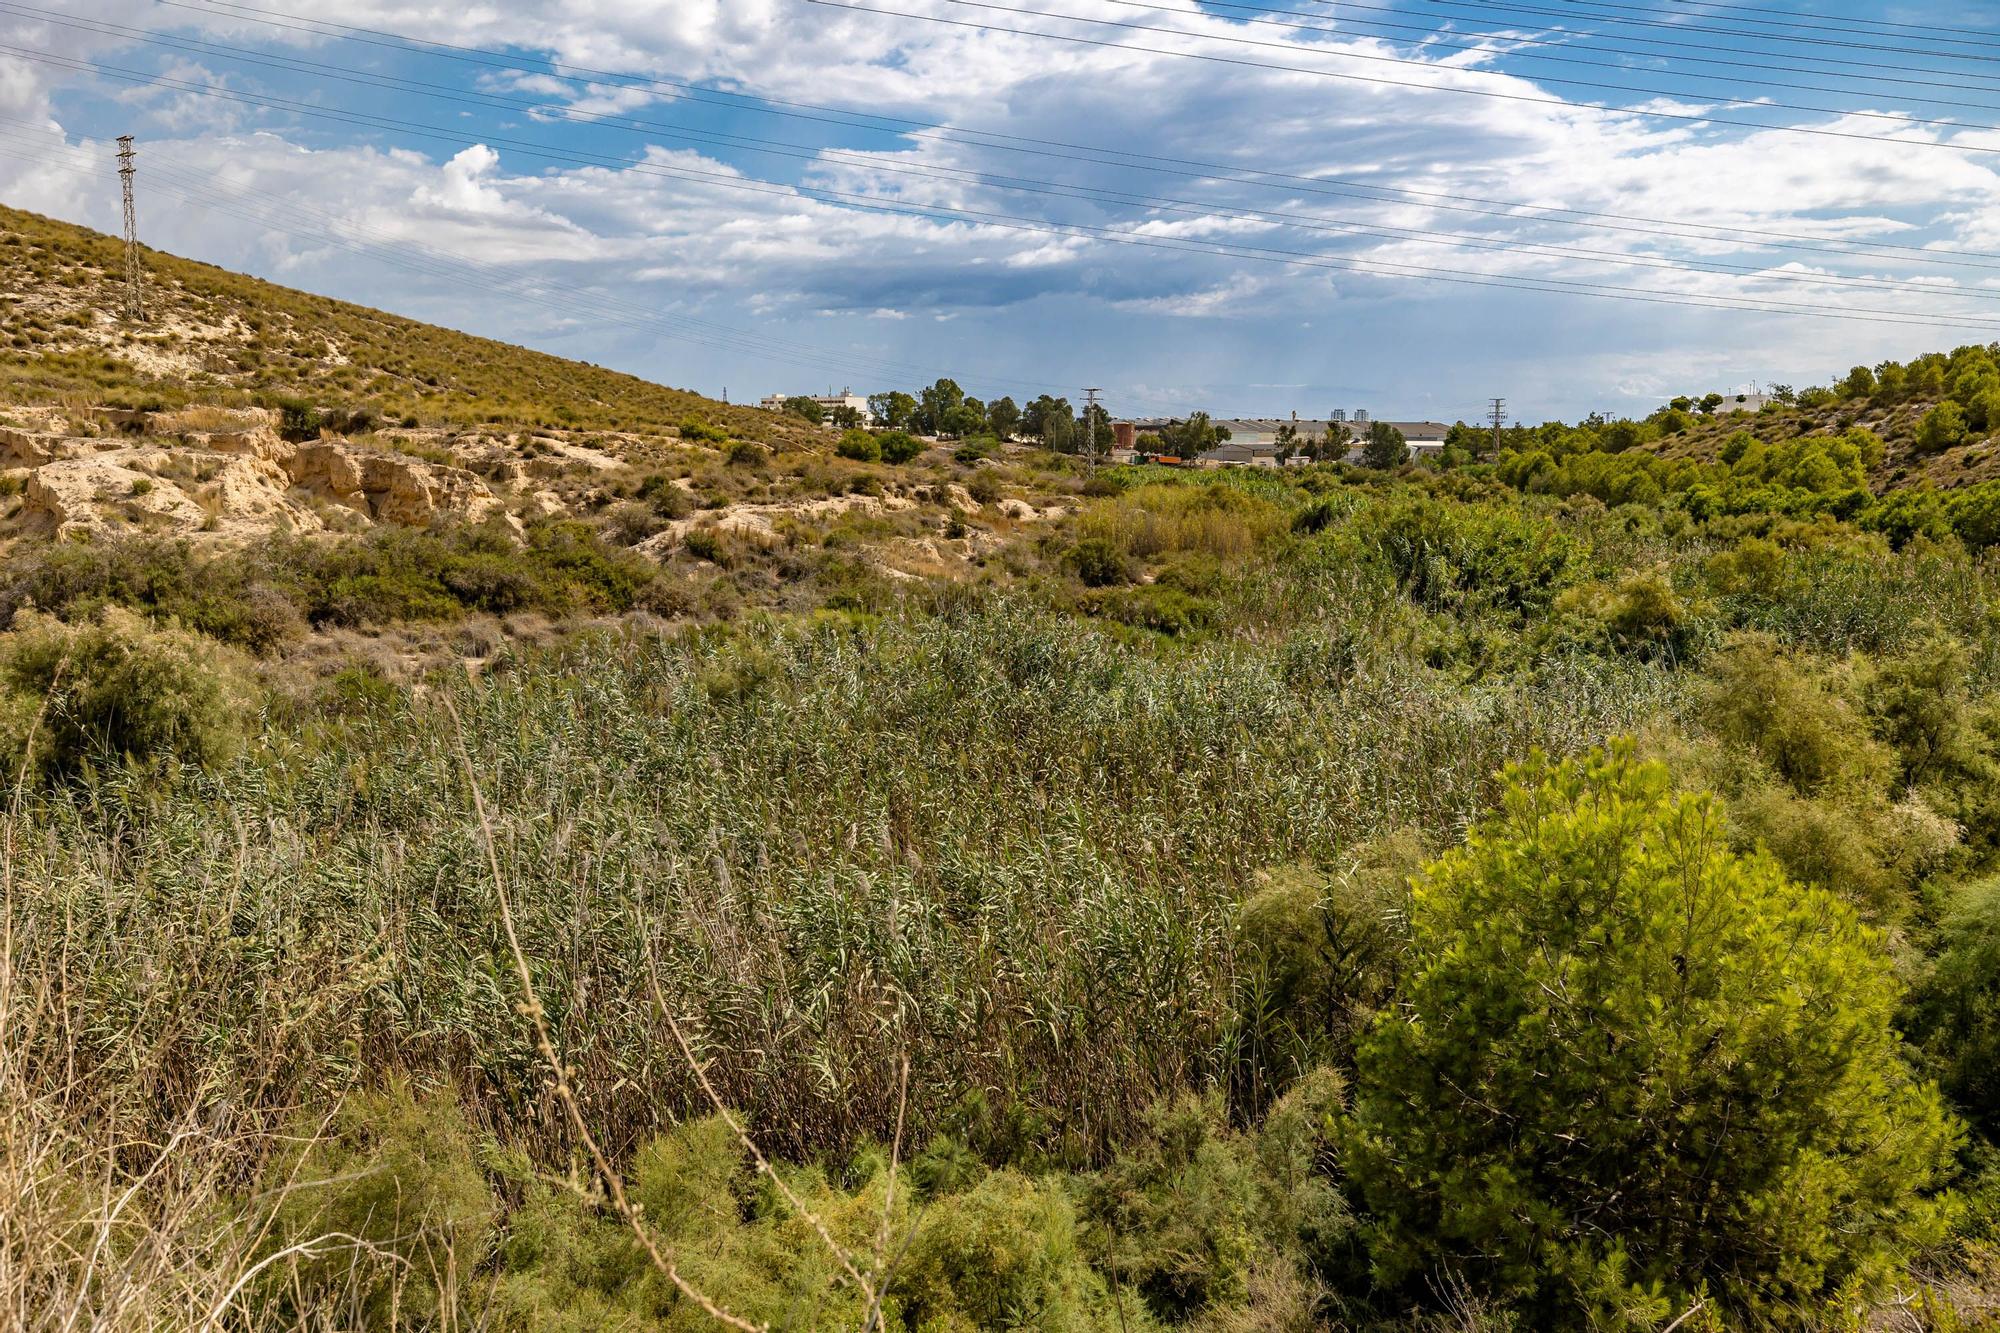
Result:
[1275,206]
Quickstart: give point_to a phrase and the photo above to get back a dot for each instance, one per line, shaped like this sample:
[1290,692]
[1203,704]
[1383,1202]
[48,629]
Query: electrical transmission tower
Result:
[1090,423]
[135,309]
[1497,414]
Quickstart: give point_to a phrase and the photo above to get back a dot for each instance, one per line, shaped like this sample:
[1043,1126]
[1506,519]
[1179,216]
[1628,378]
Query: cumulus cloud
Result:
[1036,261]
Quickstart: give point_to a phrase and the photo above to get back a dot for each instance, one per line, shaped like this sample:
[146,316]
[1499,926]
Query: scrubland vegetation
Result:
[1326,899]
[1554,885]
[235,339]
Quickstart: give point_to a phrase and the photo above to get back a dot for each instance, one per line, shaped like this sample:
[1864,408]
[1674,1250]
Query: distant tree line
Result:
[945,411]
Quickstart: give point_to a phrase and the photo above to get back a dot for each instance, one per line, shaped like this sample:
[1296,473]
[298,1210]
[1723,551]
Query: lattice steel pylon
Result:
[135,306]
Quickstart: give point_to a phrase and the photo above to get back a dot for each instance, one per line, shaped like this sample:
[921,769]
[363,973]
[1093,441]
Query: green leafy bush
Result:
[393,1194]
[860,446]
[1631,1069]
[119,687]
[694,428]
[1177,1212]
[898,447]
[1098,562]
[1006,1254]
[1954,1015]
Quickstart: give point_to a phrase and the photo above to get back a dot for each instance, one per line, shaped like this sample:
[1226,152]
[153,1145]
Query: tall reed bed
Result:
[991,839]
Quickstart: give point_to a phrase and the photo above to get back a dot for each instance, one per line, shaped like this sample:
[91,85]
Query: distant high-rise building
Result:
[1361,416]
[1339,414]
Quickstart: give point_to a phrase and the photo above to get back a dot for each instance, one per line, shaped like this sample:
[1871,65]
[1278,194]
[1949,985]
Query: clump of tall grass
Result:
[1154,520]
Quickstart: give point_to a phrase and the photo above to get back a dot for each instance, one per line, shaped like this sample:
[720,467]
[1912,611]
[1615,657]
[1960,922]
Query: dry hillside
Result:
[212,336]
[1904,461]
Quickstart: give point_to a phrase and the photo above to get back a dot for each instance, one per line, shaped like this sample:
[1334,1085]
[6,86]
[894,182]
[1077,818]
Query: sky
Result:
[1404,206]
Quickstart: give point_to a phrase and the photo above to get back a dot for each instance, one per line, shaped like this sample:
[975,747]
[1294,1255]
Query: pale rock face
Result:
[388,487]
[249,495]
[27,448]
[80,495]
[760,521]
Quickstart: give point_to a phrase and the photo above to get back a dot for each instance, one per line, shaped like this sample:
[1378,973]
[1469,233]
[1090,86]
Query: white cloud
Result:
[683,233]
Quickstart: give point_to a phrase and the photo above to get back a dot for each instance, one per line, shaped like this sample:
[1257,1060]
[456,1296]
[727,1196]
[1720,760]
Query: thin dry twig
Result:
[532,1007]
[883,1262]
[764,1166]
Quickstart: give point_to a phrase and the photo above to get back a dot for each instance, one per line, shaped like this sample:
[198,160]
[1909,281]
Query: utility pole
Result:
[135,309]
[1090,423]
[1497,413]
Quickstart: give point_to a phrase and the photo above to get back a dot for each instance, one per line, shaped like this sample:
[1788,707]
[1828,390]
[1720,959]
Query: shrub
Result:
[668,500]
[693,428]
[1807,731]
[1157,607]
[748,453]
[299,419]
[1098,562]
[1177,1212]
[1004,1255]
[1975,513]
[398,1175]
[1954,1015]
[1943,427]
[119,687]
[1908,513]
[1452,555]
[860,446]
[631,523]
[1631,1068]
[1640,614]
[898,447]
[984,486]
[1317,958]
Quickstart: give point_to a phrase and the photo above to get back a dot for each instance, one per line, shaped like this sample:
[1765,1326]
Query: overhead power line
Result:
[1488,93]
[1098,154]
[1437,39]
[1522,7]
[1827,23]
[1595,85]
[956,175]
[1517,33]
[1006,221]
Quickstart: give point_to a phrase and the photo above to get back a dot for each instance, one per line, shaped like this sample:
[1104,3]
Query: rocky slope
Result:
[212,336]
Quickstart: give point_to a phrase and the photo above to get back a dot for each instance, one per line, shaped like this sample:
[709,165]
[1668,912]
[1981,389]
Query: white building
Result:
[1742,402]
[1253,441]
[829,401]
[1423,437]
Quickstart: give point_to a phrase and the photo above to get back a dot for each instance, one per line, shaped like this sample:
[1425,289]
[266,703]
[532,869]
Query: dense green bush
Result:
[1177,1214]
[264,597]
[1955,1012]
[117,688]
[390,1202]
[898,446]
[1631,1070]
[1098,563]
[859,445]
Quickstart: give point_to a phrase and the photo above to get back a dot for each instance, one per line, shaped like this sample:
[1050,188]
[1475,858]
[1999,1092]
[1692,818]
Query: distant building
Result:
[1742,402]
[845,398]
[1423,437]
[1253,441]
[1239,453]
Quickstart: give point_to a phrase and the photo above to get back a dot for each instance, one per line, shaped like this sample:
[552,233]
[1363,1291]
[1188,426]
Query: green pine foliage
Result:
[1632,1070]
